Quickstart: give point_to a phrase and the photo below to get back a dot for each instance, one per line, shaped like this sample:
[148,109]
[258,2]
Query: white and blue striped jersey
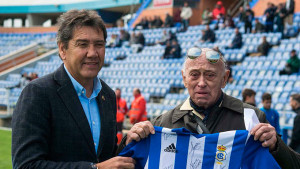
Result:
[179,149]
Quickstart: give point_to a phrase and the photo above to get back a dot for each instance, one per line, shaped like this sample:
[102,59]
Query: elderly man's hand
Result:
[265,133]
[139,131]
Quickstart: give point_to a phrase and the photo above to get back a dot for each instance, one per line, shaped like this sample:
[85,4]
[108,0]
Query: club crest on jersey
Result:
[221,154]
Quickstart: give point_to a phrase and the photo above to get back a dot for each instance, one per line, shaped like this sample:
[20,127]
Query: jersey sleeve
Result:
[138,151]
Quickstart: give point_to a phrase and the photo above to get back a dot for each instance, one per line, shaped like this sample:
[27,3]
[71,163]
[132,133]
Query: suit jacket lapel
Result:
[69,96]
[105,110]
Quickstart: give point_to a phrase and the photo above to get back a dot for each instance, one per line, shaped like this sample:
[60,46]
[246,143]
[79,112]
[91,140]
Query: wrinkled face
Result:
[204,80]
[85,54]
[267,104]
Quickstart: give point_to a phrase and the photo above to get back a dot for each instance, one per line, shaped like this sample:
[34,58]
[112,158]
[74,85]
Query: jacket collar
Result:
[69,97]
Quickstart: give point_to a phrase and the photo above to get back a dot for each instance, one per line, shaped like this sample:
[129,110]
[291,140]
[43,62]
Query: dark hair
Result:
[296,97]
[266,96]
[118,89]
[247,92]
[138,90]
[72,19]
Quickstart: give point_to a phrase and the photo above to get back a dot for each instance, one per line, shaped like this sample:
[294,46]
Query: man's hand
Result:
[265,133]
[117,163]
[139,131]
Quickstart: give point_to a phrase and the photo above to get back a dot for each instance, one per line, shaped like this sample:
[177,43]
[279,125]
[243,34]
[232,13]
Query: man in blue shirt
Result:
[271,114]
[67,119]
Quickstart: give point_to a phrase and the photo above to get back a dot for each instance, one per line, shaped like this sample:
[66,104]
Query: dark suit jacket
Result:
[50,129]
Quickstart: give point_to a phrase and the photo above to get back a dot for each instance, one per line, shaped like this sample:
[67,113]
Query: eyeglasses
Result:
[212,55]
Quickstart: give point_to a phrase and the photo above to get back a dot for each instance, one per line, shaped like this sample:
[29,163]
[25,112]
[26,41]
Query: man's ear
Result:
[184,79]
[227,72]
[61,51]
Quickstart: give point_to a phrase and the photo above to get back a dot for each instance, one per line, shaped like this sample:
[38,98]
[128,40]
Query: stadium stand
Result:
[160,80]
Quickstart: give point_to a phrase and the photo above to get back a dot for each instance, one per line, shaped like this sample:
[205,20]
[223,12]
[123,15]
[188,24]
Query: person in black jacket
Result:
[208,35]
[168,21]
[295,140]
[290,7]
[270,14]
[237,41]
[67,119]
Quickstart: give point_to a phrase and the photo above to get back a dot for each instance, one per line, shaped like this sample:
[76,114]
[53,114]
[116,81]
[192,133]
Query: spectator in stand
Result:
[120,23]
[290,8]
[168,49]
[168,21]
[143,24]
[113,41]
[259,27]
[172,36]
[208,36]
[249,96]
[173,51]
[295,140]
[279,18]
[137,112]
[241,14]
[271,114]
[220,22]
[124,37]
[269,14]
[176,17]
[206,16]
[249,15]
[229,23]
[264,47]
[133,38]
[138,42]
[121,112]
[292,65]
[186,14]
[157,22]
[164,38]
[24,80]
[248,9]
[237,41]
[219,9]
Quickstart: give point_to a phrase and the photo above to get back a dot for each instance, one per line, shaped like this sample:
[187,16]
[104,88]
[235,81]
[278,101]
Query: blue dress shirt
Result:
[89,106]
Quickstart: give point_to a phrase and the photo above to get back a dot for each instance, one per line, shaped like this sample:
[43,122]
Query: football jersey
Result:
[179,149]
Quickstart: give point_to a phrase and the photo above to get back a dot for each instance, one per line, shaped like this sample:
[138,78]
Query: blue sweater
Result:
[273,118]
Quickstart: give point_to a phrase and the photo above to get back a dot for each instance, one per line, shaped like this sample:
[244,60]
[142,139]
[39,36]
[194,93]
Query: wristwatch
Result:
[94,166]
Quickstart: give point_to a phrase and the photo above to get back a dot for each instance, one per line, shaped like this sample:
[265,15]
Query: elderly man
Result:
[67,119]
[209,110]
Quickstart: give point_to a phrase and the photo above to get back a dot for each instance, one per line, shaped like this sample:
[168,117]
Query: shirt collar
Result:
[187,106]
[80,90]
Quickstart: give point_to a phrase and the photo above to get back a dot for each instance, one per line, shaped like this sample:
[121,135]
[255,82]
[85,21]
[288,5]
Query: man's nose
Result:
[92,51]
[202,82]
